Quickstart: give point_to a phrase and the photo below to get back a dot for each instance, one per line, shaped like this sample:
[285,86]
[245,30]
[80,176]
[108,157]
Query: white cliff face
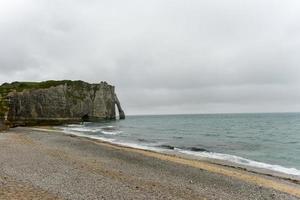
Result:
[69,102]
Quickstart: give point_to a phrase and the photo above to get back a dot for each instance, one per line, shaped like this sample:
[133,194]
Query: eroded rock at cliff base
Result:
[57,102]
[2,125]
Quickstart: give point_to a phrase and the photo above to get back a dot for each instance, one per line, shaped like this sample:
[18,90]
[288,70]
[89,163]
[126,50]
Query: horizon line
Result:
[224,113]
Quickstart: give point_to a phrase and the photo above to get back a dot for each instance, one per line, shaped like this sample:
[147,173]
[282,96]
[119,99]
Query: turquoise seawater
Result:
[269,141]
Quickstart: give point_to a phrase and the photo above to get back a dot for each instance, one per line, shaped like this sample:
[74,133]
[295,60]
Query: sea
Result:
[269,141]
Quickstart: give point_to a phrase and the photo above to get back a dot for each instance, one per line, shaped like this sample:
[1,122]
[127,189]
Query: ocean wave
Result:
[243,161]
[88,136]
[84,129]
[111,132]
[106,130]
[74,125]
[135,145]
[110,140]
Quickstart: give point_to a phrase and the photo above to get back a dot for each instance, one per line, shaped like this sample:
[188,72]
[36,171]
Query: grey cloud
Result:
[169,56]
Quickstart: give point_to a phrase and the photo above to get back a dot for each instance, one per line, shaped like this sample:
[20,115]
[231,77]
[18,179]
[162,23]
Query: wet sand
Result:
[48,164]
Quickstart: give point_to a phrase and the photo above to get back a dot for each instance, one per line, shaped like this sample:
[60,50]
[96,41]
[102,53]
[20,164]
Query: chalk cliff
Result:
[56,102]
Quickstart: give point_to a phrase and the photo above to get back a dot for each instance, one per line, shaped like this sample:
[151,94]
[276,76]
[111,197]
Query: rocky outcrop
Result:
[57,102]
[2,125]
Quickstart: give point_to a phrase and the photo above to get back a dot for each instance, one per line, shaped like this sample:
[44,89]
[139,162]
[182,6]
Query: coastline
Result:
[212,165]
[255,181]
[189,156]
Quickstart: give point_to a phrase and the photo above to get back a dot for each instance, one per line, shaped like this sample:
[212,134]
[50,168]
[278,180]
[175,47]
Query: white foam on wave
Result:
[110,140]
[244,161]
[74,125]
[108,130]
[83,129]
[111,132]
[136,146]
[67,131]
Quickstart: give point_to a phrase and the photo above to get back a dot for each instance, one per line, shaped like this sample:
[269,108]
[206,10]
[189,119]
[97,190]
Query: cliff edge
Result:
[56,102]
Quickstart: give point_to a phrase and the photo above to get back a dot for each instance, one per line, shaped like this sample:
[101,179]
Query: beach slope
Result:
[48,164]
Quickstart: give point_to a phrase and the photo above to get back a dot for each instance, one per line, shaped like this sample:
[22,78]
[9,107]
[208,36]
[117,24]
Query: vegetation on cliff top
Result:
[20,86]
[6,88]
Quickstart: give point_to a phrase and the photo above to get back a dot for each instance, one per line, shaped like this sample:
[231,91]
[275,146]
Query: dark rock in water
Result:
[141,140]
[109,129]
[197,149]
[165,146]
[144,140]
[177,137]
[56,102]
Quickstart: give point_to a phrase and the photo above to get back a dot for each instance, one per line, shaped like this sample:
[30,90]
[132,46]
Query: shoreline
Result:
[66,166]
[225,163]
[212,165]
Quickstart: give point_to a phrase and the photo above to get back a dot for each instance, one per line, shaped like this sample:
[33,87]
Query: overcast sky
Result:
[163,56]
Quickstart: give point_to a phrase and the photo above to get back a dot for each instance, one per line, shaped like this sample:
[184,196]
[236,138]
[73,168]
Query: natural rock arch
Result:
[121,111]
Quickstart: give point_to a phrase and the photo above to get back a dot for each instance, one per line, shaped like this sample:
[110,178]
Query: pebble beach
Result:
[48,164]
